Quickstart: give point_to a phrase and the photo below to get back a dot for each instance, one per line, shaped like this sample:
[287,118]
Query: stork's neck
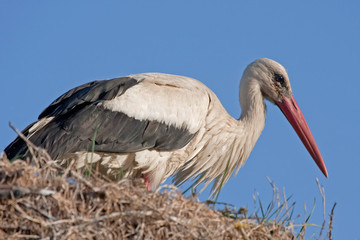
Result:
[253,109]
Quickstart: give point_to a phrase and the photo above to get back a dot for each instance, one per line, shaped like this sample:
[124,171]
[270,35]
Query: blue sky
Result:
[46,48]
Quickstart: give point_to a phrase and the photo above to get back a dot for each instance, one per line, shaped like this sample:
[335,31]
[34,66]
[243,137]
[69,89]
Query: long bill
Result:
[294,115]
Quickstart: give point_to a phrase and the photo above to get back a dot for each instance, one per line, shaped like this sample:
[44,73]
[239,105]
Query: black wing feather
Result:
[78,117]
[89,93]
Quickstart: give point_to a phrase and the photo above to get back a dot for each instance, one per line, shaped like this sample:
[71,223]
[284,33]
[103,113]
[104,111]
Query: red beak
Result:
[294,115]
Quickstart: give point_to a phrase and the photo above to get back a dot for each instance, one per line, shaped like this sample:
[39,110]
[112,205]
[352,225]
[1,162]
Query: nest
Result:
[45,201]
[42,200]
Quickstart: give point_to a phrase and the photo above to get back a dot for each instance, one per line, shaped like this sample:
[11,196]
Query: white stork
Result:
[155,125]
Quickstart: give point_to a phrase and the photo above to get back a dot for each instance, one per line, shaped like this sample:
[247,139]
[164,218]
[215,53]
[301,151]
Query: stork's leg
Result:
[147,182]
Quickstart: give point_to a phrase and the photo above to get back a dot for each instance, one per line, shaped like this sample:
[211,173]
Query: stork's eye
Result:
[280,79]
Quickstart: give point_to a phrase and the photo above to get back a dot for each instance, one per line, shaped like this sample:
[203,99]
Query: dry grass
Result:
[55,203]
[42,200]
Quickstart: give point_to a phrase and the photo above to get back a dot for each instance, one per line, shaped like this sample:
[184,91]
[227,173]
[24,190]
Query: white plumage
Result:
[175,100]
[165,124]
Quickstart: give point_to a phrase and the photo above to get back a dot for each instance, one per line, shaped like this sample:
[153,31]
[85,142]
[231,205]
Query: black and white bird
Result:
[155,125]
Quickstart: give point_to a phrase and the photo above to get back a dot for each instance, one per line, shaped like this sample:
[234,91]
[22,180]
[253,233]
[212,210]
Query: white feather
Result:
[221,144]
[174,100]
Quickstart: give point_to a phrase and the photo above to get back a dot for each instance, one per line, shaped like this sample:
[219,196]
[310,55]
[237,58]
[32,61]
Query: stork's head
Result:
[272,80]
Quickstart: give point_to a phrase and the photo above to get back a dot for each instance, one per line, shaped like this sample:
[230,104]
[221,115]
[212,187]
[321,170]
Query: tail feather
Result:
[18,148]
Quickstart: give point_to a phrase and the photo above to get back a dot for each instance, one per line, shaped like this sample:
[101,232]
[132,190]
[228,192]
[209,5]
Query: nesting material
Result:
[41,200]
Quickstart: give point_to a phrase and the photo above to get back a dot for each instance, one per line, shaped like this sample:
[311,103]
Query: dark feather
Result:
[89,93]
[78,118]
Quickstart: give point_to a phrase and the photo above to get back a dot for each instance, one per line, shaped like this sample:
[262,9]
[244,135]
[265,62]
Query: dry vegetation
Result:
[42,200]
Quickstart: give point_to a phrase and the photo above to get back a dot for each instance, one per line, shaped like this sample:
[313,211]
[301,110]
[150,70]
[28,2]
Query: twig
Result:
[331,221]
[31,146]
[39,211]
[322,192]
[6,191]
[101,218]
[20,210]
